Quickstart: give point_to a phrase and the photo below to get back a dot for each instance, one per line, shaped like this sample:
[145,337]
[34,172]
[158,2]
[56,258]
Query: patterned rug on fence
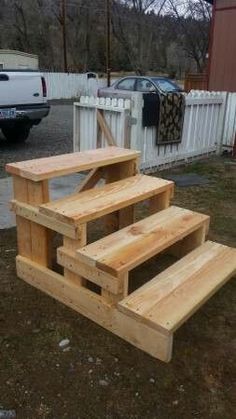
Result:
[171,118]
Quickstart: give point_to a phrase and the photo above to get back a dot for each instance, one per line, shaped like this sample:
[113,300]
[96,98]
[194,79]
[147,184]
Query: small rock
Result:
[98,361]
[152,380]
[90,359]
[116,359]
[90,371]
[64,343]
[57,365]
[103,383]
[175,402]
[67,349]
[137,394]
[180,388]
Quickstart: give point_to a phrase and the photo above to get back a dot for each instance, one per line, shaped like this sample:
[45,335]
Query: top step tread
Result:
[94,203]
[127,248]
[173,296]
[64,164]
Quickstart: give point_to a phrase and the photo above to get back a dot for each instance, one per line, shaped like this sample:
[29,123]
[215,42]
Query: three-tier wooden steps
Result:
[149,316]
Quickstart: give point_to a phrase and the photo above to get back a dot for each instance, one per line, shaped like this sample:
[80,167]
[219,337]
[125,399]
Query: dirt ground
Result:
[101,376]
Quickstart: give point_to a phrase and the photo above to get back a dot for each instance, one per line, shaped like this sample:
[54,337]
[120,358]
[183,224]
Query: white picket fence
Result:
[209,124]
[69,85]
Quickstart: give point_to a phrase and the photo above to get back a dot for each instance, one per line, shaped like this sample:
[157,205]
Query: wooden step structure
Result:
[149,316]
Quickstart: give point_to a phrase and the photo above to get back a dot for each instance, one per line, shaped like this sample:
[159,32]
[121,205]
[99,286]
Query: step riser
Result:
[69,261]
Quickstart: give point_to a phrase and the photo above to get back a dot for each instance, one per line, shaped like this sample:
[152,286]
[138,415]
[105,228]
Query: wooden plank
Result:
[114,298]
[105,128]
[125,249]
[114,173]
[95,308]
[160,201]
[94,203]
[65,164]
[20,188]
[91,180]
[67,258]
[40,235]
[73,245]
[174,295]
[31,213]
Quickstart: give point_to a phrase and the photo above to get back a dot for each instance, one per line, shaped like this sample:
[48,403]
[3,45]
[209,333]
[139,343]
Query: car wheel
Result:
[17,133]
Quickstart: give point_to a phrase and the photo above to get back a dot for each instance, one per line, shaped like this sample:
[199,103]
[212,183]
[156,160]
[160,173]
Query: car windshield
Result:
[165,85]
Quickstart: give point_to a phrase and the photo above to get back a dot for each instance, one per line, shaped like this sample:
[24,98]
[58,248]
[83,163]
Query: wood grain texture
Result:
[96,308]
[170,298]
[127,248]
[94,203]
[67,258]
[40,235]
[73,245]
[91,180]
[31,213]
[20,188]
[64,164]
[113,173]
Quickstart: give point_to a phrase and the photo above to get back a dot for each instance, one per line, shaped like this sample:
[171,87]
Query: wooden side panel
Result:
[96,308]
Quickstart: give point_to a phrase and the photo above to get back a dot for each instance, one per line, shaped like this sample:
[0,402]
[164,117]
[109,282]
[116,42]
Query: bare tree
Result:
[135,33]
[193,18]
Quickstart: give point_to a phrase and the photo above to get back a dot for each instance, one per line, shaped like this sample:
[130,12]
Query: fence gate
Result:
[209,122]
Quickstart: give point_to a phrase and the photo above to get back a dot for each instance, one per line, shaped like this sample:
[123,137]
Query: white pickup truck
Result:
[23,102]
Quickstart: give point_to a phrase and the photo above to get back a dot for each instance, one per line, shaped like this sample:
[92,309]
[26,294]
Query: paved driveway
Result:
[52,136]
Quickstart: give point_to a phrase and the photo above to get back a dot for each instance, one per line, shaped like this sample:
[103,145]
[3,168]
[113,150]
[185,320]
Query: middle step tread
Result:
[94,203]
[127,248]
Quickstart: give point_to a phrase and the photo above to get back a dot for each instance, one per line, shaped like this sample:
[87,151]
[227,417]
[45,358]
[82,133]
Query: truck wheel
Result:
[17,133]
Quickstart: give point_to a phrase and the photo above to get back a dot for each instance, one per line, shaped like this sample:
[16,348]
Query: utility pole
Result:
[108,41]
[63,15]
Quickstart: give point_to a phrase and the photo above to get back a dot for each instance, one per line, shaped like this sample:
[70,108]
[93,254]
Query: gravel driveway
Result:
[52,136]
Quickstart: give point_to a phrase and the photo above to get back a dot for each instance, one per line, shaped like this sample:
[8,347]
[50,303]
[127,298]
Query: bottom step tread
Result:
[173,296]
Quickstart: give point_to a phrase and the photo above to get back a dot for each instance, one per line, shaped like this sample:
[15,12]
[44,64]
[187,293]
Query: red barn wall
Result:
[222,69]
